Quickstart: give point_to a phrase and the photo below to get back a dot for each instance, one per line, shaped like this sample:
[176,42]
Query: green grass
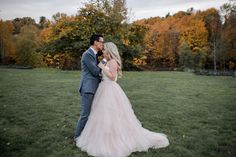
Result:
[39,110]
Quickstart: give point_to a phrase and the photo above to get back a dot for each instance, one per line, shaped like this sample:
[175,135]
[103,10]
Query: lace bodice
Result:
[105,78]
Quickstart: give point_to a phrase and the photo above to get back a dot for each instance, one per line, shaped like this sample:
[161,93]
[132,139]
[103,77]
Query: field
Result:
[39,110]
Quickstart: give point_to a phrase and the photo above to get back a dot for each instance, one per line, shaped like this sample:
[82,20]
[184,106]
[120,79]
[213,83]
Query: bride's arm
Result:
[112,72]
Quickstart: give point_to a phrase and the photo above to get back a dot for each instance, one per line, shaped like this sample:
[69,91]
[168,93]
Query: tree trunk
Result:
[214,56]
[2,51]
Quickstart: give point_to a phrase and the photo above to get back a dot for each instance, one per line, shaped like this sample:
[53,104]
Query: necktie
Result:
[97,58]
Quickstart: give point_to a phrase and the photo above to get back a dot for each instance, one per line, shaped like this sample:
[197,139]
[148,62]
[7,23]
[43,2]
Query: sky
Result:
[138,9]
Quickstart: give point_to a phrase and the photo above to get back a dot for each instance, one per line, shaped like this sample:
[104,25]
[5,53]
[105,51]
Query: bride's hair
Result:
[113,52]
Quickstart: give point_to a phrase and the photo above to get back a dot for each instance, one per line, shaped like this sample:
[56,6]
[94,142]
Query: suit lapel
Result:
[90,51]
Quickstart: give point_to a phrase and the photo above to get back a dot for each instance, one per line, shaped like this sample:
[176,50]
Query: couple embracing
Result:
[107,126]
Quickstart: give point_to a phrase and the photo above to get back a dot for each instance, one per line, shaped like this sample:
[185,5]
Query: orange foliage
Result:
[166,34]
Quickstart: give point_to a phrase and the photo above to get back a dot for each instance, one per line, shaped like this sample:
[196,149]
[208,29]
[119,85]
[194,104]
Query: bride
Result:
[112,129]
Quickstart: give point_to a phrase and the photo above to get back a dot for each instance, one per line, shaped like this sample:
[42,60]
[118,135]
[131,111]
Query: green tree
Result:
[20,22]
[43,22]
[185,56]
[199,58]
[26,47]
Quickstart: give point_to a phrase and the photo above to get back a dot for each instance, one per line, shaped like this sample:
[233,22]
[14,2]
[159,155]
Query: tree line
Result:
[188,39]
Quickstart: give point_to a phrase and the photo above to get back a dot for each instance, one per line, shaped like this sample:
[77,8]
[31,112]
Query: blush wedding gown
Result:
[112,129]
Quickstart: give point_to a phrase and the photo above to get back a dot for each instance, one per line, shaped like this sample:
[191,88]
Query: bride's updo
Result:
[113,52]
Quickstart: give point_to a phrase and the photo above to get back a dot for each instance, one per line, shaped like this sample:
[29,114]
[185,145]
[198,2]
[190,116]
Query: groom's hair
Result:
[95,37]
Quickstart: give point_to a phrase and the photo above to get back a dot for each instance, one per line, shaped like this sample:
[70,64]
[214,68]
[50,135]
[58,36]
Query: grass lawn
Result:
[39,110]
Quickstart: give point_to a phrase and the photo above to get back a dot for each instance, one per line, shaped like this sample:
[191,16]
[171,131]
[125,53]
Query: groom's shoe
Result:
[73,141]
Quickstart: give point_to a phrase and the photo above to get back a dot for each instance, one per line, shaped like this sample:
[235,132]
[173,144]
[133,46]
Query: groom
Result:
[89,79]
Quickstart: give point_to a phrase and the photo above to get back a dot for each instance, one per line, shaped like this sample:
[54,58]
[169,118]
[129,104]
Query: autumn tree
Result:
[7,47]
[70,34]
[192,31]
[212,21]
[229,35]
[166,34]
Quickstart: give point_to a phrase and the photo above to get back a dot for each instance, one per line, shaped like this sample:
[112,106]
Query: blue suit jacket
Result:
[89,73]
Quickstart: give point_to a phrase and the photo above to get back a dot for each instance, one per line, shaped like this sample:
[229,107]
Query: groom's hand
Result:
[101,65]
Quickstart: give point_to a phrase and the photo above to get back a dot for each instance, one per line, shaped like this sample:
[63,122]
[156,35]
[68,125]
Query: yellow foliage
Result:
[140,61]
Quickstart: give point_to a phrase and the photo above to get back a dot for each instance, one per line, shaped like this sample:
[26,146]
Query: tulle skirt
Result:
[112,129]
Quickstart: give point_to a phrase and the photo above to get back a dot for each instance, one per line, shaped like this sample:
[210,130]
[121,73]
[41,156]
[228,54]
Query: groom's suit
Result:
[88,85]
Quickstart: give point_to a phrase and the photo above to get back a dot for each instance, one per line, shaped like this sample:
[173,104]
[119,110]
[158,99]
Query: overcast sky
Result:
[10,9]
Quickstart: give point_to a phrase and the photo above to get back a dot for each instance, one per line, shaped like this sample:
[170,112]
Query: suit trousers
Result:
[86,103]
